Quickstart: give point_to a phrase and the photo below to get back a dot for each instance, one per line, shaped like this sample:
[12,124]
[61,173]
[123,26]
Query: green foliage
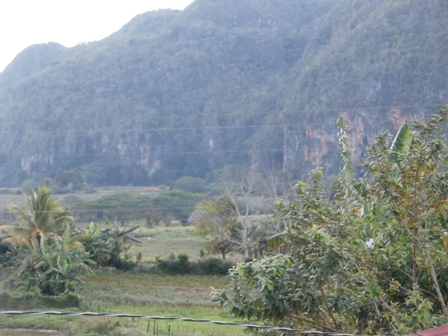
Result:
[96,242]
[109,246]
[45,250]
[172,266]
[57,267]
[371,258]
[69,180]
[119,237]
[178,204]
[42,216]
[218,221]
[152,107]
[190,184]
[125,207]
[182,265]
[121,207]
[402,139]
[214,266]
[15,300]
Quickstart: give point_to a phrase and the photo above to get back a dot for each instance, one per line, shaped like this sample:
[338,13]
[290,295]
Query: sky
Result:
[69,22]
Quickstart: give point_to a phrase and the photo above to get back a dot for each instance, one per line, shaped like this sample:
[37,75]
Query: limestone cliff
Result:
[225,82]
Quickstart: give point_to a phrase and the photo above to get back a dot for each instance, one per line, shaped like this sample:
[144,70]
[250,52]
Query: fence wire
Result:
[181,319]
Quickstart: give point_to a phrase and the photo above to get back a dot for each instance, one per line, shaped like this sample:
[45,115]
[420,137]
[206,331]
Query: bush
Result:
[125,265]
[31,300]
[214,266]
[67,301]
[174,266]
[182,265]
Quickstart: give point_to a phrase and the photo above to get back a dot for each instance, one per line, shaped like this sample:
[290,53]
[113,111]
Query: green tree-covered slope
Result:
[252,82]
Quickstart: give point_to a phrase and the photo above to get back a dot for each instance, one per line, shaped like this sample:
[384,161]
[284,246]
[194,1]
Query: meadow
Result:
[114,291]
[136,292]
[144,294]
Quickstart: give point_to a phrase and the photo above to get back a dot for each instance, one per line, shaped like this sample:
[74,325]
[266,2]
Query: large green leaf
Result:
[402,139]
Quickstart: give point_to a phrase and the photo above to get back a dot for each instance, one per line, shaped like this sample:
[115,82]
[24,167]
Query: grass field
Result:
[162,241]
[133,293]
[153,295]
[137,293]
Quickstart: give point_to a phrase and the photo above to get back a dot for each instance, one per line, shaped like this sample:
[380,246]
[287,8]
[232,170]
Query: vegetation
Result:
[182,265]
[45,251]
[190,184]
[56,267]
[49,252]
[251,82]
[181,98]
[42,217]
[218,220]
[371,257]
[146,290]
[117,292]
[124,207]
[175,204]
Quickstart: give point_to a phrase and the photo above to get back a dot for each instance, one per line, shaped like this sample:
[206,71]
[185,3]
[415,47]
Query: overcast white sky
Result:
[69,22]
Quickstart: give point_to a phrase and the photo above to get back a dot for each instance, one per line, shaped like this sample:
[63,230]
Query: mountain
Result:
[224,82]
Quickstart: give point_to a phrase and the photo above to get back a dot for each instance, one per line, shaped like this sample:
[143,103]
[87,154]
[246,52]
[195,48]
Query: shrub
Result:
[182,265]
[31,300]
[174,266]
[125,265]
[214,266]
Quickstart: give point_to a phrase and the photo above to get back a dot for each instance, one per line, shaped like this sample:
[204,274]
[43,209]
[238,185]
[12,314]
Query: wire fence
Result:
[251,327]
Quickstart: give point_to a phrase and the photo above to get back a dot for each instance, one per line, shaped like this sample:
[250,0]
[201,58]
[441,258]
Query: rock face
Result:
[259,83]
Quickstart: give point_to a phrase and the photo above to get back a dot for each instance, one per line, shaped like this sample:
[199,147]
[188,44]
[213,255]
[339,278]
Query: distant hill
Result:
[223,82]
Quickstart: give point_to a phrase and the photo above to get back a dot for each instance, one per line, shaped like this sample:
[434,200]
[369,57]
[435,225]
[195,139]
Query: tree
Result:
[46,251]
[371,258]
[69,179]
[119,236]
[241,188]
[42,216]
[217,220]
[178,204]
[107,246]
[190,184]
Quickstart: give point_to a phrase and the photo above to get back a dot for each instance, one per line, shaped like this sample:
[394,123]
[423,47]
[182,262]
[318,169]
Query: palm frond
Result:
[402,139]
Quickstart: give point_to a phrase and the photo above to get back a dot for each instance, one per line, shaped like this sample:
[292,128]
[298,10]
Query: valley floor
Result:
[146,294]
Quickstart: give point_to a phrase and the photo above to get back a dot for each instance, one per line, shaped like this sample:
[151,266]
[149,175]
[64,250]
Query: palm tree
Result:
[42,216]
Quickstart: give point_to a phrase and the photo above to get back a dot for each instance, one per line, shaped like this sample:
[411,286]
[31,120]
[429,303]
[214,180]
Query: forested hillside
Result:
[258,83]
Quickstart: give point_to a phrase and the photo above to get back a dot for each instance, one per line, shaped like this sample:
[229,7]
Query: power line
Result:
[236,114]
[164,129]
[250,151]
[115,210]
[181,319]
[110,210]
